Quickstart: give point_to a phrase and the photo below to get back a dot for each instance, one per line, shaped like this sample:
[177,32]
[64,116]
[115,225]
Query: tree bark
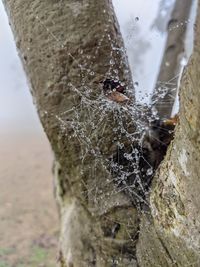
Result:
[62,45]
[68,48]
[170,68]
[173,226]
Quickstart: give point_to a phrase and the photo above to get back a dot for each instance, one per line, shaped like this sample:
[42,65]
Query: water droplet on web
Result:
[112,62]
[150,171]
[136,83]
[183,62]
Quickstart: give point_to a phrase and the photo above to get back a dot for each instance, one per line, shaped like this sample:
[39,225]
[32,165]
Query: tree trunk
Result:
[68,49]
[174,52]
[170,236]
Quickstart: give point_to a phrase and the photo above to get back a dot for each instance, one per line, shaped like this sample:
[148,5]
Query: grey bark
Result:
[62,45]
[55,40]
[170,69]
[173,226]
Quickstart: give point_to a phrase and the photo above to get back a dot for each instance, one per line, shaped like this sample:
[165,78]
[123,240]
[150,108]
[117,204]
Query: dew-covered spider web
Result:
[139,138]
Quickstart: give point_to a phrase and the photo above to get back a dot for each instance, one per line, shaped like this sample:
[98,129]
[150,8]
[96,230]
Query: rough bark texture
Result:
[67,47]
[170,68]
[55,40]
[173,227]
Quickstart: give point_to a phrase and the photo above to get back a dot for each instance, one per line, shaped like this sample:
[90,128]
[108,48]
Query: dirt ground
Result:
[28,215]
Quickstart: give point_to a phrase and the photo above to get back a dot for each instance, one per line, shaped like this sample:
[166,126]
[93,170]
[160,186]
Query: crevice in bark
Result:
[151,150]
[167,251]
[146,155]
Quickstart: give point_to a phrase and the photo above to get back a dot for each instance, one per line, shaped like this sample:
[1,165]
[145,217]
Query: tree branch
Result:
[167,81]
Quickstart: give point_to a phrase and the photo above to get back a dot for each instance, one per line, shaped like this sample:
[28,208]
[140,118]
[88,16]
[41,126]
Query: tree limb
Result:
[167,81]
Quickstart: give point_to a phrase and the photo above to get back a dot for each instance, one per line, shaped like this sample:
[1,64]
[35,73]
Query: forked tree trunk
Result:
[68,48]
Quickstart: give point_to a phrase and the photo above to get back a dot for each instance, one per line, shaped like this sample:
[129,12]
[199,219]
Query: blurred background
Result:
[28,233]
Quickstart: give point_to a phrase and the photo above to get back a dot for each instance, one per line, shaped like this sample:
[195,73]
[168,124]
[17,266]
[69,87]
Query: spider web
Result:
[131,168]
[131,165]
[129,175]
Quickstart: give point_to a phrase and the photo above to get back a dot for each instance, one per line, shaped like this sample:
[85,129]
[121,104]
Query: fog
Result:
[16,109]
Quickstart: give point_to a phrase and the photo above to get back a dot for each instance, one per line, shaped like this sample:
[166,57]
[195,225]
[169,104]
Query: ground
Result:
[28,215]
